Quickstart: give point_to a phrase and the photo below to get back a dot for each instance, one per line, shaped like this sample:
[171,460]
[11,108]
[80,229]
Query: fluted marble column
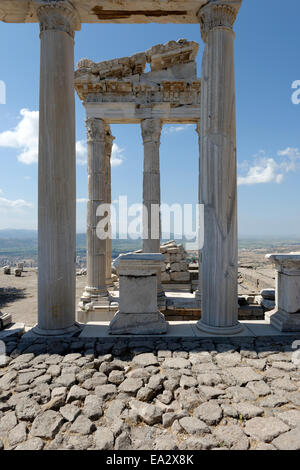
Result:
[151,132]
[198,293]
[57,169]
[218,179]
[109,139]
[97,188]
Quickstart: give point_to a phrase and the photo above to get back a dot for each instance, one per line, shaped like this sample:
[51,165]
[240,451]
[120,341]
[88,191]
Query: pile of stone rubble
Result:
[176,268]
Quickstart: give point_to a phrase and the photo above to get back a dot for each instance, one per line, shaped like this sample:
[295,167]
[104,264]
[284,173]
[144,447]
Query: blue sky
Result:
[268,134]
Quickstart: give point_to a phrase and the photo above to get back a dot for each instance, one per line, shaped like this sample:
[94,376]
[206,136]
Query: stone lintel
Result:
[112,11]
[130,113]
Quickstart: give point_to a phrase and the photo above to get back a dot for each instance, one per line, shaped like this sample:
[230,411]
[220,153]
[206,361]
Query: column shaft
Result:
[57,169]
[96,247]
[198,293]
[218,180]
[108,151]
[151,131]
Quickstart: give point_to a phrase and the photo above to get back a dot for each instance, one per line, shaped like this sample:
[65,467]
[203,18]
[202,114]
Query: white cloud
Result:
[17,204]
[82,200]
[173,129]
[25,136]
[81,152]
[269,170]
[117,155]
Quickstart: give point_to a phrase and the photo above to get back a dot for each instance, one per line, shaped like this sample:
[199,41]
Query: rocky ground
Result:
[154,394]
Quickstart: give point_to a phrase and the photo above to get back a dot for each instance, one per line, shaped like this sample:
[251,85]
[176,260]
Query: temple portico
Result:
[120,91]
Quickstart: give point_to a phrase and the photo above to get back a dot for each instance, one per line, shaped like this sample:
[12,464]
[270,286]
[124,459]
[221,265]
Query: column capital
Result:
[96,129]
[218,14]
[198,127]
[151,130]
[57,15]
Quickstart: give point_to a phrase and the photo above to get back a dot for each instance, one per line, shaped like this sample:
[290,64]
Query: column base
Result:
[93,295]
[220,330]
[37,331]
[138,324]
[284,321]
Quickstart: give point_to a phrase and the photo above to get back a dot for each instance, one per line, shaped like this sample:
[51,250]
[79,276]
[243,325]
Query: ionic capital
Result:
[218,14]
[151,130]
[57,15]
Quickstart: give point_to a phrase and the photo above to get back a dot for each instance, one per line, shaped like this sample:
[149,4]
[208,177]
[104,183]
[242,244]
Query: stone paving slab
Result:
[162,393]
[189,329]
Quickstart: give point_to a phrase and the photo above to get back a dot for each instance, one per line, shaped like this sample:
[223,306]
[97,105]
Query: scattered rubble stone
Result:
[173,394]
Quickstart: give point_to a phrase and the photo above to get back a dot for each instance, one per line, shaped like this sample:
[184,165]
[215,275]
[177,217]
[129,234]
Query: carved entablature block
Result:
[57,15]
[161,57]
[124,80]
[109,91]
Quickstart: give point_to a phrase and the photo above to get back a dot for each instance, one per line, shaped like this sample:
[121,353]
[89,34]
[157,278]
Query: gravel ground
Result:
[159,394]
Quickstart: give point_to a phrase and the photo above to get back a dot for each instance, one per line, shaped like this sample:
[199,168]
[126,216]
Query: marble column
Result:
[218,178]
[198,292]
[96,289]
[109,139]
[57,169]
[151,132]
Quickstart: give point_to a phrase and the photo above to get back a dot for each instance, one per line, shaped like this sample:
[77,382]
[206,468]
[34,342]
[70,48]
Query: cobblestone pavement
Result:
[154,394]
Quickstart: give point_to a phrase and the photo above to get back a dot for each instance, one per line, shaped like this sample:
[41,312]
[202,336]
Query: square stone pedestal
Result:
[138,312]
[286,316]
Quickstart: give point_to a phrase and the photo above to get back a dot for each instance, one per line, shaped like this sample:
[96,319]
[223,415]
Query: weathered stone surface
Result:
[265,429]
[76,393]
[69,412]
[260,388]
[291,418]
[105,391]
[199,443]
[176,363]
[194,426]
[47,424]
[116,377]
[8,422]
[248,411]
[82,425]
[93,407]
[228,359]
[150,414]
[27,409]
[229,435]
[104,439]
[288,441]
[144,360]
[210,412]
[131,386]
[34,443]
[17,434]
[243,375]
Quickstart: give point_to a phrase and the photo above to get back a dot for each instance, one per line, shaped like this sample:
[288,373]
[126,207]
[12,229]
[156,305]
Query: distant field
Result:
[23,244]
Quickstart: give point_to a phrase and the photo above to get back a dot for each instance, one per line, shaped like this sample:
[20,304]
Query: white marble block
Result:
[138,312]
[286,316]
